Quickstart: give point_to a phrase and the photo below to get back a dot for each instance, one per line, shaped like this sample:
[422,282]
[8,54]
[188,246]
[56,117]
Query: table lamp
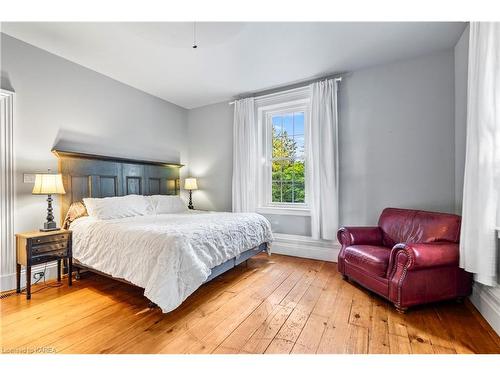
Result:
[190,184]
[48,183]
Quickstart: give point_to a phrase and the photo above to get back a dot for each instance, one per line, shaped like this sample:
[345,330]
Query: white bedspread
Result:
[168,255]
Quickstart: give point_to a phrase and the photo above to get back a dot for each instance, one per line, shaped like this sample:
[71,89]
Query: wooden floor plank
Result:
[310,336]
[299,289]
[361,310]
[483,322]
[337,328]
[238,338]
[469,336]
[396,323]
[224,350]
[262,337]
[442,350]
[275,304]
[279,346]
[420,341]
[379,329]
[437,330]
[326,302]
[357,340]
[294,325]
[399,344]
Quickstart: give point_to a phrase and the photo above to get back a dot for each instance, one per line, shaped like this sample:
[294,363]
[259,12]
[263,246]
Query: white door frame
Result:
[7,244]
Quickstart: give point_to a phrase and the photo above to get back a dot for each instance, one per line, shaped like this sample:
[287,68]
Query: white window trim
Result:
[292,100]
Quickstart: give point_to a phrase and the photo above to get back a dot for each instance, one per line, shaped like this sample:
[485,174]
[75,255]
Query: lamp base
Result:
[49,226]
[190,205]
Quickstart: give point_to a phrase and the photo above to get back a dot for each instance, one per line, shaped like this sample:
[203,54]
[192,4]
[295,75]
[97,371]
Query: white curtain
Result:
[322,160]
[245,156]
[480,213]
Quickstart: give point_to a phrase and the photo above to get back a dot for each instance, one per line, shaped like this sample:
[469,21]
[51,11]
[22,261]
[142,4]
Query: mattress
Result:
[169,255]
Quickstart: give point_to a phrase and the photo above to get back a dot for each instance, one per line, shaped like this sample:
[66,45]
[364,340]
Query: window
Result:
[283,123]
[288,164]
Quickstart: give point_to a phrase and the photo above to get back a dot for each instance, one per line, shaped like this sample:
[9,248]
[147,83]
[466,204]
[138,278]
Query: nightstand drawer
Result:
[52,238]
[48,247]
[47,257]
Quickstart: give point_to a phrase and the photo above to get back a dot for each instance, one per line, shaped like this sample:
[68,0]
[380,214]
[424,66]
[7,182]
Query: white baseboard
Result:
[305,247]
[488,304]
[8,282]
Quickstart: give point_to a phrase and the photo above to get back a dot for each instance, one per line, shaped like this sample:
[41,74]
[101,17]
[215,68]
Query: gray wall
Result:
[59,102]
[461,65]
[210,132]
[396,137]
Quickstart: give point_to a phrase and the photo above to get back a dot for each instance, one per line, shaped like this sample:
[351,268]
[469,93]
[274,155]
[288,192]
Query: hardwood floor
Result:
[276,304]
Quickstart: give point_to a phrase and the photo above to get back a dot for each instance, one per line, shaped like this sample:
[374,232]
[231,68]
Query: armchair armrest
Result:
[348,236]
[424,255]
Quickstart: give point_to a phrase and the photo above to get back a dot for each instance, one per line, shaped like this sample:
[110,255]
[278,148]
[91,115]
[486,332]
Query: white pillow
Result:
[116,207]
[166,204]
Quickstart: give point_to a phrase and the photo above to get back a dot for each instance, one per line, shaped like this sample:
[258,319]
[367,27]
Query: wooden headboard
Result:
[98,176]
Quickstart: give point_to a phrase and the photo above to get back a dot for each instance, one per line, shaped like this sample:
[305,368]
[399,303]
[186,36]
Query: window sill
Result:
[284,211]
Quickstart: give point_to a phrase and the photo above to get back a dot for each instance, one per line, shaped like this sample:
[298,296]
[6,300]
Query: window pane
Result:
[287,190]
[299,147]
[299,172]
[298,193]
[298,120]
[278,148]
[287,171]
[288,124]
[277,169]
[276,192]
[277,126]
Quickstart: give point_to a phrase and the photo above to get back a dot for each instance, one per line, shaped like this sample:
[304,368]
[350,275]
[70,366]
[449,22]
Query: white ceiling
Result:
[232,58]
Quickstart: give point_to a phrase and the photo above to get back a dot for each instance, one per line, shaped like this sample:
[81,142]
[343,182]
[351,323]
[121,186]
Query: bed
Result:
[168,254]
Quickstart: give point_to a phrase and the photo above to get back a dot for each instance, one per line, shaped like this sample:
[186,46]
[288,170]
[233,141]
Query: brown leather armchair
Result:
[410,258]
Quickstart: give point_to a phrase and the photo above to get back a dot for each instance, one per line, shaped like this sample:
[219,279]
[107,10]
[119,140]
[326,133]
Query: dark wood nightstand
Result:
[41,247]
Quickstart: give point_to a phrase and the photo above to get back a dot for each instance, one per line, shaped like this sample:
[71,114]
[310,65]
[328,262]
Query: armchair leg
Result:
[344,277]
[459,299]
[401,310]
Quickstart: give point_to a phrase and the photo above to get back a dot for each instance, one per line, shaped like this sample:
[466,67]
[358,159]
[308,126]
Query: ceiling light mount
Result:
[194,36]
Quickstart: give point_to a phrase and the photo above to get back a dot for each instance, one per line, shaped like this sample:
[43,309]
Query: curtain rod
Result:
[283,89]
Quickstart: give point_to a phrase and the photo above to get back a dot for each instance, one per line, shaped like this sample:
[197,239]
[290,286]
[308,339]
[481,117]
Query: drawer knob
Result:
[38,240]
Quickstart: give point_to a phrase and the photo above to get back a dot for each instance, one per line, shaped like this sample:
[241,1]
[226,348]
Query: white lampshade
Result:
[190,184]
[48,184]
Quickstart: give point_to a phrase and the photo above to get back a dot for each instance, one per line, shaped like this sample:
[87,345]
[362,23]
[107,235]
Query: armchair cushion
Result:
[372,259]
[349,236]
